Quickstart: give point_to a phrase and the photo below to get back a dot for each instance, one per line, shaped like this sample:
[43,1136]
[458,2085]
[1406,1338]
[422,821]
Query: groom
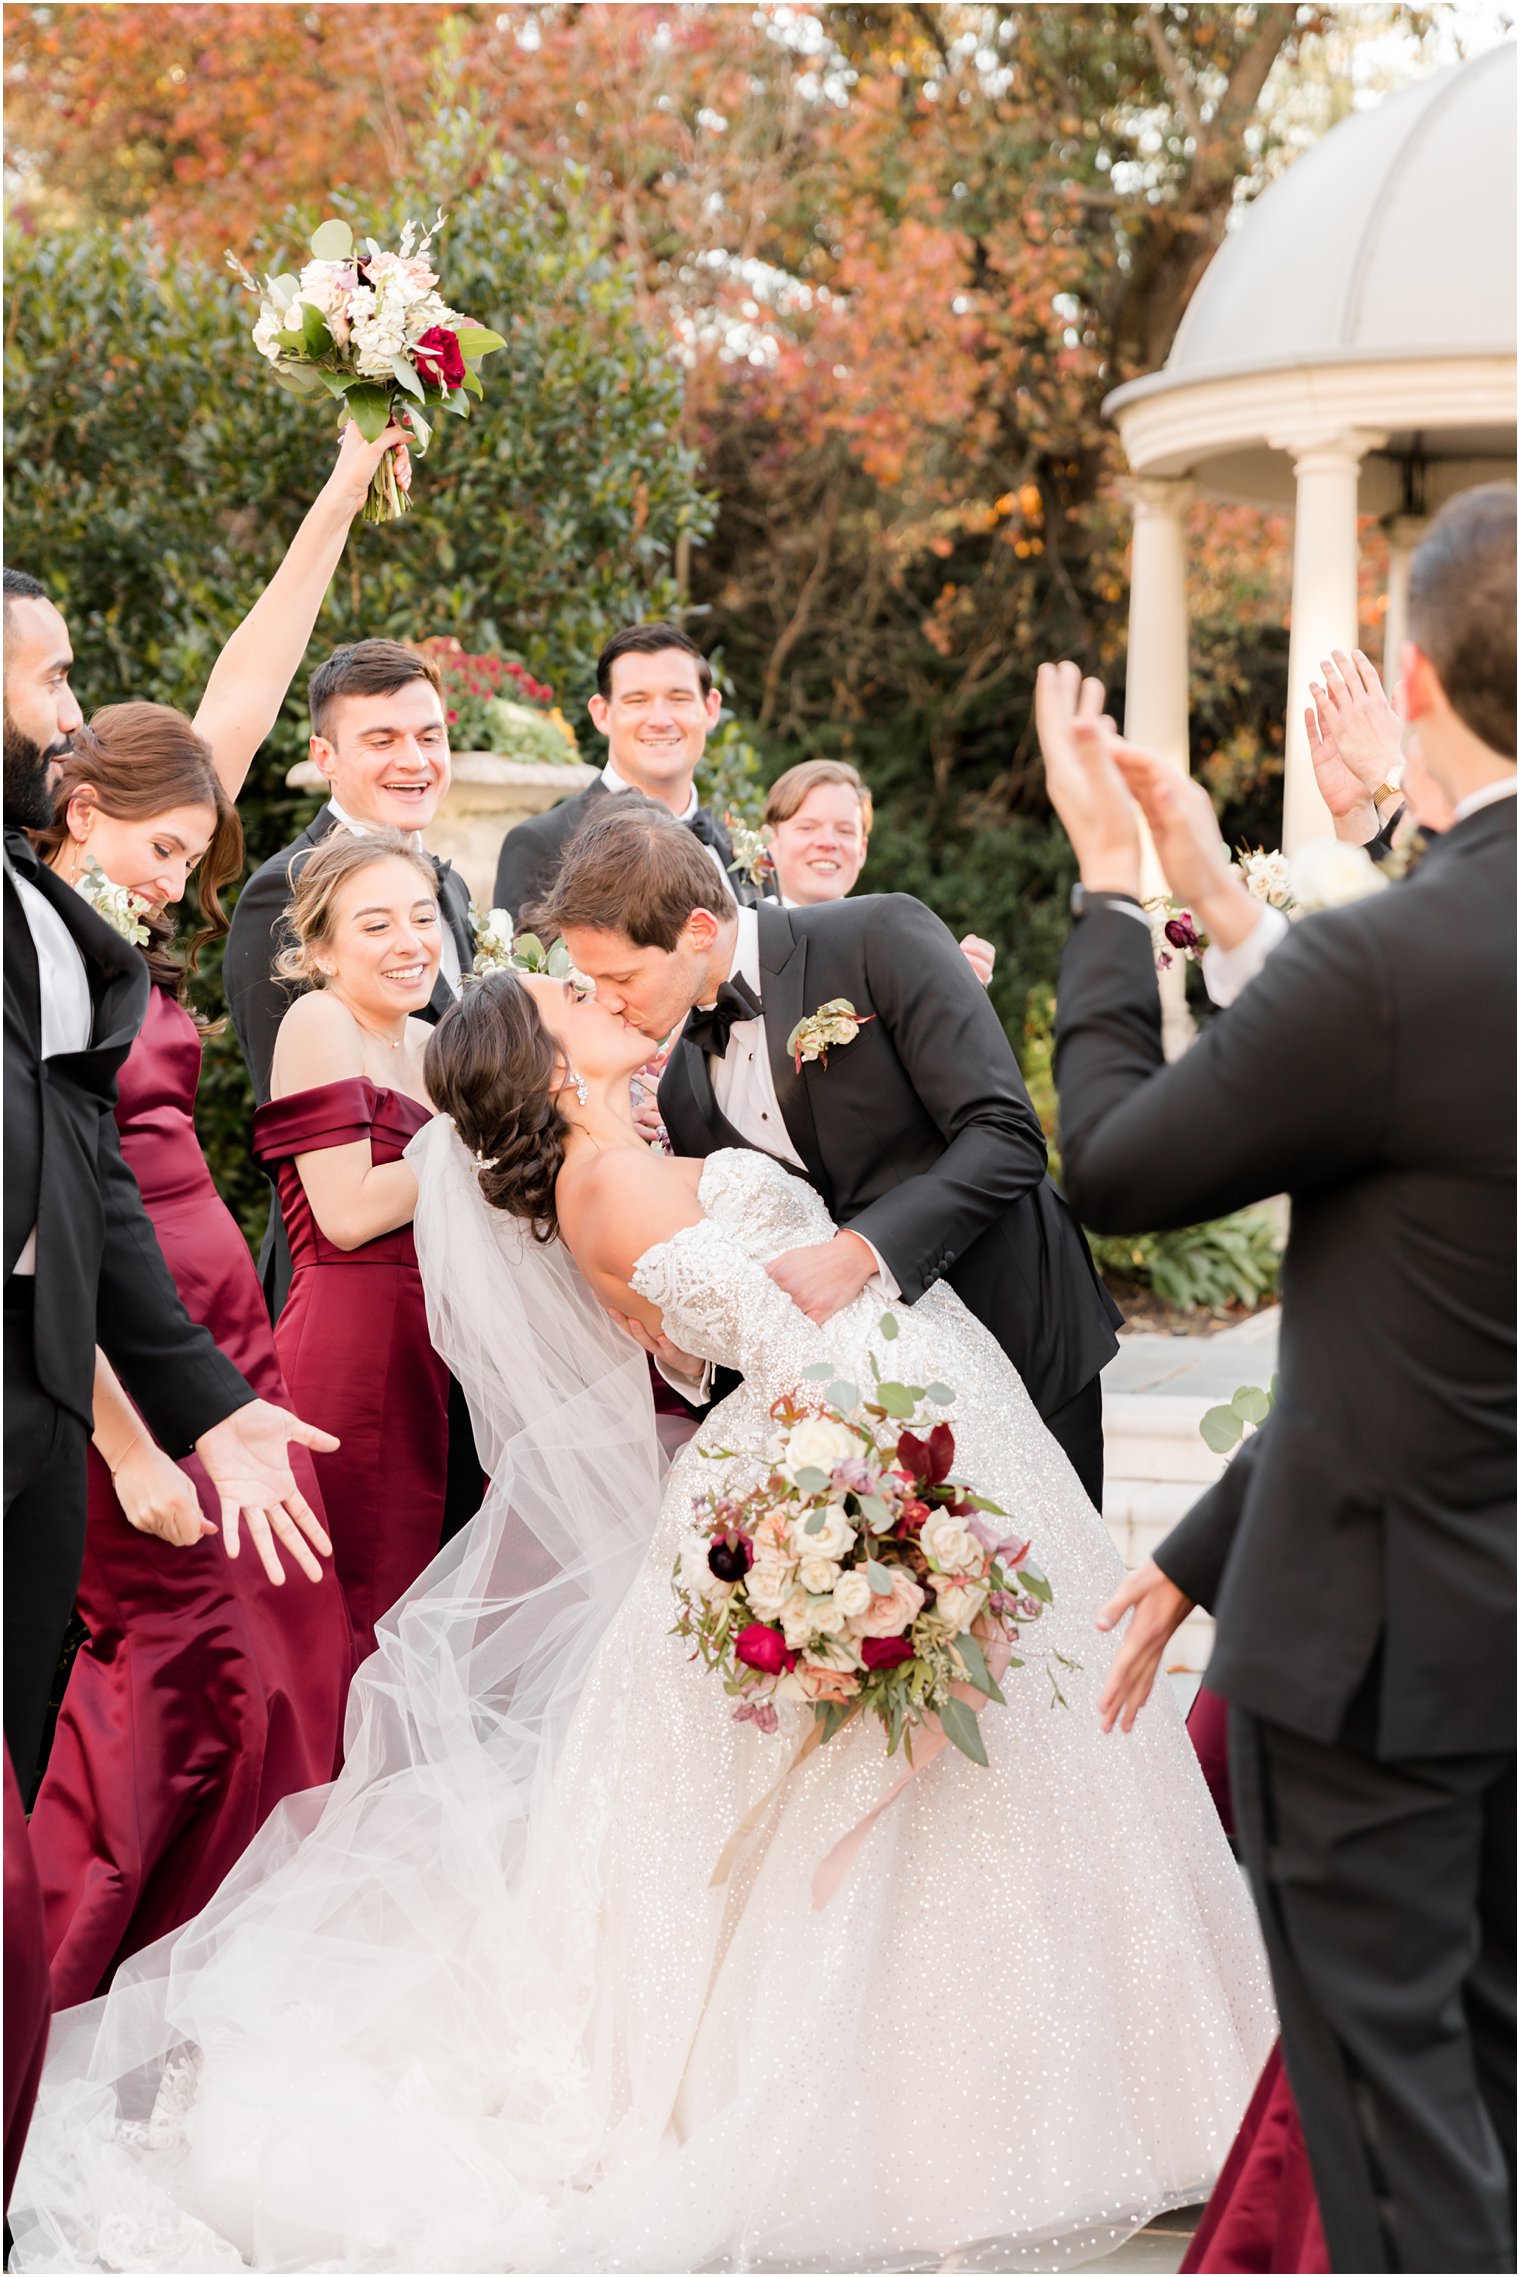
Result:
[917,1132]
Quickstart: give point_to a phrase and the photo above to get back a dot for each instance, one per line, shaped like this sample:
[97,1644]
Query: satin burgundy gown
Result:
[1263,2214]
[353,1341]
[205,1693]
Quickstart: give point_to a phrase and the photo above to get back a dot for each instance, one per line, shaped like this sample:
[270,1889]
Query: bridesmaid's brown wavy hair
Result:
[141,760]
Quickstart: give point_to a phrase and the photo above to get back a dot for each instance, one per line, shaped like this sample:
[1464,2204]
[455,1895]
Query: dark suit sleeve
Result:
[526,868]
[257,1001]
[961,1066]
[171,1367]
[1197,1550]
[1291,1091]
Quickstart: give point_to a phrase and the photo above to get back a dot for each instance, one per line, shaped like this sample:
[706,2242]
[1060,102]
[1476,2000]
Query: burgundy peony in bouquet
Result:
[860,1574]
[369,327]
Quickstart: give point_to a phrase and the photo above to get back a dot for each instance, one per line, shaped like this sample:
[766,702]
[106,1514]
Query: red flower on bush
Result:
[886,1652]
[760,1646]
[439,352]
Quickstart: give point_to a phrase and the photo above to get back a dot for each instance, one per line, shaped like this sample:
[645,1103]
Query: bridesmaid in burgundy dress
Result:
[347,1095]
[206,1692]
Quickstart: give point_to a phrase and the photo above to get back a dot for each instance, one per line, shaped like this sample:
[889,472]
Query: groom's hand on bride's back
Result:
[826,1276]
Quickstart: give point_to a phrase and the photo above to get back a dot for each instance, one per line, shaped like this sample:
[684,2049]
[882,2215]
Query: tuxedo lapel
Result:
[783,999]
[118,979]
[689,1106]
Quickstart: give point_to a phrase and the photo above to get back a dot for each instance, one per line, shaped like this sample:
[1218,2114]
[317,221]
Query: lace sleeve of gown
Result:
[717,1303]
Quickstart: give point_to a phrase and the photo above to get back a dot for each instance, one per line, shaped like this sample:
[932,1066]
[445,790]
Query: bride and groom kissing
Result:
[917,1132]
[485,2002]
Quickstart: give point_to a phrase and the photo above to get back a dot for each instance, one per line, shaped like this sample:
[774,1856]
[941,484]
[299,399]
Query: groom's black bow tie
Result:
[704,826]
[709,1029]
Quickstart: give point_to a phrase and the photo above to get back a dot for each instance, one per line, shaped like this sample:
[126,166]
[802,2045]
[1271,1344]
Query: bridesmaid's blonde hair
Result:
[324,874]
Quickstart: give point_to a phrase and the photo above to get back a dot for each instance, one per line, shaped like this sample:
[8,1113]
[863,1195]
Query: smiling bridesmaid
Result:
[347,1095]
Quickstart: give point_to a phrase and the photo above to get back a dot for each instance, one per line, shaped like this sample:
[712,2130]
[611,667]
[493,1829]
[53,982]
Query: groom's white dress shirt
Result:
[448,960]
[64,996]
[744,1086]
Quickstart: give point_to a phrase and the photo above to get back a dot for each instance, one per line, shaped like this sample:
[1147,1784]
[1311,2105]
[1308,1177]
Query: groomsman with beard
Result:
[655,703]
[379,735]
[1360,1556]
[82,1263]
[917,1132]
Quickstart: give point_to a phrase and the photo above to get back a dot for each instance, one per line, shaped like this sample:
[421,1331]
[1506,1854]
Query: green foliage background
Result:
[155,475]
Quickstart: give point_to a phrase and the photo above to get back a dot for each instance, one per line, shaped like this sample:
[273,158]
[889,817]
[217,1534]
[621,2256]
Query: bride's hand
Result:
[658,1347]
[1158,1609]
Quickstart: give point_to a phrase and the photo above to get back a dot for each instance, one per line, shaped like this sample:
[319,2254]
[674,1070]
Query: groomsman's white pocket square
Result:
[828,1029]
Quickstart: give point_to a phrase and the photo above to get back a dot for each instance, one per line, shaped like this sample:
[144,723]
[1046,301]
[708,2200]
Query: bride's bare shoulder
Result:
[616,1204]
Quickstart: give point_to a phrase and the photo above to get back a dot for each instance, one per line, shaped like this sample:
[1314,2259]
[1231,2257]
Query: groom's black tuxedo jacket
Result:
[1368,1072]
[259,1001]
[919,1135]
[532,851]
[101,1275]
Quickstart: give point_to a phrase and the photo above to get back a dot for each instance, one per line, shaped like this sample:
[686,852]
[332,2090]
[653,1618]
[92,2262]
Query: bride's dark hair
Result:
[491,1066]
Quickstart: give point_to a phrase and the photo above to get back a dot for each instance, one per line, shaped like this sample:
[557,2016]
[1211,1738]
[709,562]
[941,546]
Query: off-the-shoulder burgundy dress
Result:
[353,1341]
[205,1693]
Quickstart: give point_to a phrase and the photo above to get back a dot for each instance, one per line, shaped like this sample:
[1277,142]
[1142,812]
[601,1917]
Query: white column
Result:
[1156,682]
[1404,534]
[1324,603]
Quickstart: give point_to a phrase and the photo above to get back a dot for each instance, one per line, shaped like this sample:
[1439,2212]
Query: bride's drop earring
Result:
[579,1082]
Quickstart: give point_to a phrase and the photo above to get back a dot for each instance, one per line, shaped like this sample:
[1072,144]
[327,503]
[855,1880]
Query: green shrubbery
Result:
[154,476]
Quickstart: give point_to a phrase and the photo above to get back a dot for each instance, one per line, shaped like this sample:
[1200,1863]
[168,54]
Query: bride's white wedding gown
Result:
[488,2017]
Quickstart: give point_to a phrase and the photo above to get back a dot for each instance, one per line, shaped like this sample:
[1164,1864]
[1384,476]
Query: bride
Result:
[479,2005]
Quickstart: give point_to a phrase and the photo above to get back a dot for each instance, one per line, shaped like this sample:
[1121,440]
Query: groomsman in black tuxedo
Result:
[655,703]
[1360,1556]
[379,735]
[918,1131]
[82,1264]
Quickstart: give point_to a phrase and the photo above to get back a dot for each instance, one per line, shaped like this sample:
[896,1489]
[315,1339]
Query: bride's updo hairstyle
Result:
[492,1067]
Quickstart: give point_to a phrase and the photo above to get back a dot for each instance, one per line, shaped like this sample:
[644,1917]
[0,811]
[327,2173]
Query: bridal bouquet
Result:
[859,1574]
[1324,874]
[370,328]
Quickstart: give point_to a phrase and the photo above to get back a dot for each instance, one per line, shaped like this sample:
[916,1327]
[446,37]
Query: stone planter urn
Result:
[487,796]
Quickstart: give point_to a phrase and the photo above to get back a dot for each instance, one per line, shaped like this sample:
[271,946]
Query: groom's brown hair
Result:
[632,868]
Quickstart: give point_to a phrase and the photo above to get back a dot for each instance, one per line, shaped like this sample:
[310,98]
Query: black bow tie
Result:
[22,852]
[704,826]
[709,1028]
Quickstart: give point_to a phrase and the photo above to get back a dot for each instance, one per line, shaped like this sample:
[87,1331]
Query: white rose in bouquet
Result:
[829,1538]
[818,1575]
[827,1619]
[960,1602]
[768,1585]
[817,1444]
[797,1618]
[950,1544]
[1327,874]
[852,1594]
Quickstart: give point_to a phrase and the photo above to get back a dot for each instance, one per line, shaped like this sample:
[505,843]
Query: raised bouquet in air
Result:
[859,1574]
[1324,874]
[370,328]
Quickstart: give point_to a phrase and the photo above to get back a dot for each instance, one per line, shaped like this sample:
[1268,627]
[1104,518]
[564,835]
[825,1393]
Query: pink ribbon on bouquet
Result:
[829,1876]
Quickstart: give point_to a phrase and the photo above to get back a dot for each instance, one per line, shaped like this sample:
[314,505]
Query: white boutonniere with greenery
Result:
[830,1028]
[752,856]
[122,909]
[491,931]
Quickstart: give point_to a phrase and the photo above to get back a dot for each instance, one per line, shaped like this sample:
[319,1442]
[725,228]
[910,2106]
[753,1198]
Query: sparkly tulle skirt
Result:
[518,2028]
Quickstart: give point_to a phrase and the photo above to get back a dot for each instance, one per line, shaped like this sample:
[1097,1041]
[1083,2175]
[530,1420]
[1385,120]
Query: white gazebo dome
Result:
[1350,349]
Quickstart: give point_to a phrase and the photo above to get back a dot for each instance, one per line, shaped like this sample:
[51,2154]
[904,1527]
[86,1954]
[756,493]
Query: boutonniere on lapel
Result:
[752,856]
[830,1028]
[122,909]
[491,934]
